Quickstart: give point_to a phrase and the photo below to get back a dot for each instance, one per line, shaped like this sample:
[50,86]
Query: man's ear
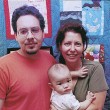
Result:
[50,85]
[15,36]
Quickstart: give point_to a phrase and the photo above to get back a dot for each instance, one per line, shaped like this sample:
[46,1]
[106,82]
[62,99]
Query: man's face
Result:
[29,34]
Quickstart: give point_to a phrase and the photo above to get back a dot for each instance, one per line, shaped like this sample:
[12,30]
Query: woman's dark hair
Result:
[27,10]
[75,27]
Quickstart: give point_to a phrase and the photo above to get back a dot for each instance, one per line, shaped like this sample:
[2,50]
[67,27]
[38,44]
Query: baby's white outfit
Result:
[65,101]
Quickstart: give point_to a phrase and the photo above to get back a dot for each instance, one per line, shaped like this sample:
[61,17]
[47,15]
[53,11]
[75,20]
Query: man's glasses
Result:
[25,31]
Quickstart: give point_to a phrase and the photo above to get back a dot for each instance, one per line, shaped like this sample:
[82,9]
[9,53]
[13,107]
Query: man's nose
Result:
[30,35]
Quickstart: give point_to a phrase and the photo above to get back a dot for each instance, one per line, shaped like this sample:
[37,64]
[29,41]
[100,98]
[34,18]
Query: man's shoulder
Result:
[7,57]
[46,54]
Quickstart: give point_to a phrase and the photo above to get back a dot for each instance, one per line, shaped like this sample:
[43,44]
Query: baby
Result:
[61,83]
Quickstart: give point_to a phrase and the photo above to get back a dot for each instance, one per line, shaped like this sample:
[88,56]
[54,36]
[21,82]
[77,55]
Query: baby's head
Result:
[60,78]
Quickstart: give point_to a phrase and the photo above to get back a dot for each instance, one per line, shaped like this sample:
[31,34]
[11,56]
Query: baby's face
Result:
[62,83]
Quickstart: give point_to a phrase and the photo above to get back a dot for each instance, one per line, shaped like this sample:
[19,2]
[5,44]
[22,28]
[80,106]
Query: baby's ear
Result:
[50,85]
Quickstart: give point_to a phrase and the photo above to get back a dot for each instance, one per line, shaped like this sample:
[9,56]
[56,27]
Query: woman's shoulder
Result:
[89,62]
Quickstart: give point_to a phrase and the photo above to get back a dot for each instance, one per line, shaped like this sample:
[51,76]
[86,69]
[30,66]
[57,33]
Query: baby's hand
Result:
[90,96]
[83,72]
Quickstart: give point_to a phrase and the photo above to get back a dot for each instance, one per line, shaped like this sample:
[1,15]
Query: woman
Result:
[72,41]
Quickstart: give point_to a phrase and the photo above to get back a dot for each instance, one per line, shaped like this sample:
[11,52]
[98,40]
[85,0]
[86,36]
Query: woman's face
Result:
[72,47]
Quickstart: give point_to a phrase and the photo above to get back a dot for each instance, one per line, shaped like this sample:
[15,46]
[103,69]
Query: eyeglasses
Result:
[23,32]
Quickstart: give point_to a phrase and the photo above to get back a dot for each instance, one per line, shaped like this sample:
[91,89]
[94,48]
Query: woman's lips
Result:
[71,55]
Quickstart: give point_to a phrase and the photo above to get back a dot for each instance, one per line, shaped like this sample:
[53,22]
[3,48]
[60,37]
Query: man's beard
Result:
[31,53]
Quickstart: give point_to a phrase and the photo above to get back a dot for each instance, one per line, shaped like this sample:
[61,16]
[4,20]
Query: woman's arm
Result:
[98,103]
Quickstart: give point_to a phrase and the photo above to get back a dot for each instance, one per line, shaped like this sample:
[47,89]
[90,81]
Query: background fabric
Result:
[102,36]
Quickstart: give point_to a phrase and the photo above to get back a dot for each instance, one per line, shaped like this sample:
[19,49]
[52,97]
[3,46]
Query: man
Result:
[23,73]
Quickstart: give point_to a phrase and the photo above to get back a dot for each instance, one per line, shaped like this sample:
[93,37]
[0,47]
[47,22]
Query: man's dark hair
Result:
[27,10]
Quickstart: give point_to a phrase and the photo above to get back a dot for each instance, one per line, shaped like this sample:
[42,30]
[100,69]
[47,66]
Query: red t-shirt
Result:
[24,82]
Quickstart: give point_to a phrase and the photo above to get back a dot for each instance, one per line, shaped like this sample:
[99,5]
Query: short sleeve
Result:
[3,84]
[97,81]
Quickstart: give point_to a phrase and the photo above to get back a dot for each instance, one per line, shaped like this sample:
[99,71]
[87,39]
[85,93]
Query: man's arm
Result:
[1,103]
[98,103]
